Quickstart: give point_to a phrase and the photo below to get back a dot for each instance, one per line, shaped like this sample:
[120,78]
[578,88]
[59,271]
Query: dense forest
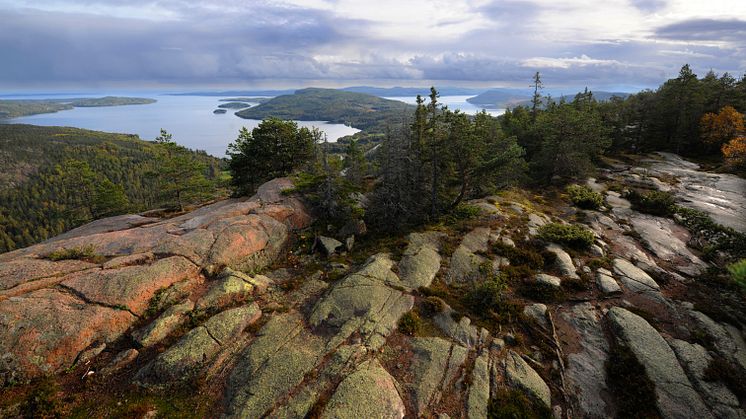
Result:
[54,179]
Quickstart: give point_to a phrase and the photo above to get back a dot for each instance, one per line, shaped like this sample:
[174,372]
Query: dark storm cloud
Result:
[705,30]
[262,42]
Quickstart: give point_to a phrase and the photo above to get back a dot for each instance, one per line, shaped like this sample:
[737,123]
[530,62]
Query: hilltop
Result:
[358,110]
[228,311]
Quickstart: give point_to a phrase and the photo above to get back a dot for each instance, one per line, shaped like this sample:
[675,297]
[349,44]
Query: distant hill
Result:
[411,91]
[231,93]
[500,98]
[17,108]
[35,203]
[358,110]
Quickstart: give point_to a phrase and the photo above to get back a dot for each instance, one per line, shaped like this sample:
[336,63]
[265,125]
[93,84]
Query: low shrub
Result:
[568,234]
[410,323]
[487,295]
[520,256]
[81,253]
[652,202]
[738,273]
[584,197]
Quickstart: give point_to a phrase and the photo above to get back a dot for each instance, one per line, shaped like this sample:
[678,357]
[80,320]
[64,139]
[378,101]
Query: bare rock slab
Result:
[674,392]
[369,392]
[520,375]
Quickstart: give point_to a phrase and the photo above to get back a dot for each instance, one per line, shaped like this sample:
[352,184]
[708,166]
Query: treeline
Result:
[422,169]
[54,179]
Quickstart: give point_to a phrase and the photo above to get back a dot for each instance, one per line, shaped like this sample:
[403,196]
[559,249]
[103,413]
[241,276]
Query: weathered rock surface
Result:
[171,319]
[537,312]
[674,392]
[462,330]
[667,241]
[421,261]
[275,362]
[520,375]
[196,348]
[369,392]
[695,360]
[634,278]
[587,353]
[364,302]
[147,263]
[548,280]
[479,391]
[465,261]
[45,330]
[436,369]
[224,292]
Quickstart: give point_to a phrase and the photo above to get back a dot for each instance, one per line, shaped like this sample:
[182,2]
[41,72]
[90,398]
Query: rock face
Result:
[52,311]
[634,278]
[436,367]
[674,392]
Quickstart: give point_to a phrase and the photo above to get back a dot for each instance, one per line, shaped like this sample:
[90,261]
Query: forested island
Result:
[25,107]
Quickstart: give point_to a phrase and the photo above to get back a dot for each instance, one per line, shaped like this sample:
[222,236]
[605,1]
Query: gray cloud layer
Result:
[179,42]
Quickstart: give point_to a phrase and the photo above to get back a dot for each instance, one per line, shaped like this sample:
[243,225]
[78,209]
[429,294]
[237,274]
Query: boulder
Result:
[674,392]
[563,261]
[634,278]
[461,331]
[328,245]
[606,282]
[520,375]
[548,280]
[537,312]
[369,392]
[121,360]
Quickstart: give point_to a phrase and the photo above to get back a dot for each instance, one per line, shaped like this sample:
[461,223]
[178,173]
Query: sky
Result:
[621,45]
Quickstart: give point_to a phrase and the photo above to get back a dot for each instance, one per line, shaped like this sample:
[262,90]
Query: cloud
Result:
[705,30]
[84,42]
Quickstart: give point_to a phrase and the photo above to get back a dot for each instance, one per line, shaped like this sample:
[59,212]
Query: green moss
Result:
[584,197]
[571,235]
[43,401]
[80,253]
[410,323]
[513,404]
[738,273]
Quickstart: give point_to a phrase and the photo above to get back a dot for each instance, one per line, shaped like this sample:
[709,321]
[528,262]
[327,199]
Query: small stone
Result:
[548,280]
[327,245]
[119,361]
[349,243]
[606,282]
[538,312]
[88,355]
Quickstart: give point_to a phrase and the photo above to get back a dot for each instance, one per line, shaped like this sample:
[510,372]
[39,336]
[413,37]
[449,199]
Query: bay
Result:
[190,119]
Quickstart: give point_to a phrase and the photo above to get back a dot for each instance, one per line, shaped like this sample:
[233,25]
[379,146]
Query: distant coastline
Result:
[14,108]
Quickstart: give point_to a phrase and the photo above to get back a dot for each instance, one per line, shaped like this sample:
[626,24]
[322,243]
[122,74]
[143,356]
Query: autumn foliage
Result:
[735,152]
[722,127]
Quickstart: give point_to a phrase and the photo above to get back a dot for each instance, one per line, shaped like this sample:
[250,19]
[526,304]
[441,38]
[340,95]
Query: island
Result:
[219,111]
[247,99]
[234,105]
[358,110]
[15,108]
